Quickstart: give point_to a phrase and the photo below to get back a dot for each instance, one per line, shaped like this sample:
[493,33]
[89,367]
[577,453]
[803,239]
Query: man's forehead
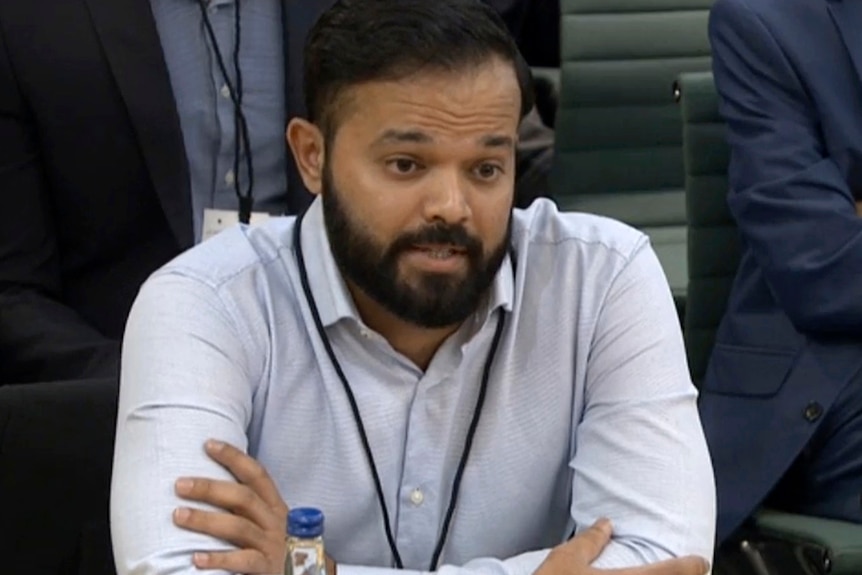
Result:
[481,104]
[426,115]
[491,89]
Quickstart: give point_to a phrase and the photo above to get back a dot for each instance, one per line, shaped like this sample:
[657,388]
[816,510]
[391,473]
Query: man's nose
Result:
[446,198]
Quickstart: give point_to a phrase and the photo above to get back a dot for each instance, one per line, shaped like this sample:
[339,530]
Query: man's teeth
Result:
[440,254]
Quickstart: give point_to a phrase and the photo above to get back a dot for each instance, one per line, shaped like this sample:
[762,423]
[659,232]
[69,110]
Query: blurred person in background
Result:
[782,398]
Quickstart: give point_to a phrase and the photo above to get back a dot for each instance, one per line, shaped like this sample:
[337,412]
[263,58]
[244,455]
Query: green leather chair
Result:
[618,145]
[777,543]
[713,242]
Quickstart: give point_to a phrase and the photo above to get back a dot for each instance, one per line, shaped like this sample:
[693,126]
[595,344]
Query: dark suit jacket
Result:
[789,75]
[93,175]
[56,447]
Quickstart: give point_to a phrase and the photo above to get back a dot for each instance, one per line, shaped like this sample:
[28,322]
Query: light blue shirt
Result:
[590,411]
[206,110]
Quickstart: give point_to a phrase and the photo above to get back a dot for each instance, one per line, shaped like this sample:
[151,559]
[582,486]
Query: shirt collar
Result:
[331,295]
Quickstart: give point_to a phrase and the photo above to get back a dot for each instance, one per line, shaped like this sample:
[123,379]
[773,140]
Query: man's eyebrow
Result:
[403,136]
[394,136]
[497,141]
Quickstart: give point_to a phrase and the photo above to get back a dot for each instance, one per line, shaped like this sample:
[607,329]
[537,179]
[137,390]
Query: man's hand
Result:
[254,516]
[575,557]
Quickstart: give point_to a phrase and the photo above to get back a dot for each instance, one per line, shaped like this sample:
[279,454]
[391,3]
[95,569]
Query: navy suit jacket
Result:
[789,76]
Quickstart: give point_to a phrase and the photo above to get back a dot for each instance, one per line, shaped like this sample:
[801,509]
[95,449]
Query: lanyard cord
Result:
[468,442]
[246,201]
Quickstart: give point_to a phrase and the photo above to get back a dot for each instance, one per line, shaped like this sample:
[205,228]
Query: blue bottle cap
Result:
[305,522]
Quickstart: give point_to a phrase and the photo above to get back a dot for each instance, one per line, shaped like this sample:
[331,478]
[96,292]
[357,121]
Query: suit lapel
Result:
[847,15]
[131,44]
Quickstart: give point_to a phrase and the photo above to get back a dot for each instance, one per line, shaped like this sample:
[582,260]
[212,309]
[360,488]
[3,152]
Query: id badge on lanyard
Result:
[216,221]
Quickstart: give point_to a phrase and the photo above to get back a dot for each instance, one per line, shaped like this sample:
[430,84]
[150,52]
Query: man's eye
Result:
[488,171]
[403,165]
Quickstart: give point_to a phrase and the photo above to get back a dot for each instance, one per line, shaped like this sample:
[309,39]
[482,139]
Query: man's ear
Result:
[307,145]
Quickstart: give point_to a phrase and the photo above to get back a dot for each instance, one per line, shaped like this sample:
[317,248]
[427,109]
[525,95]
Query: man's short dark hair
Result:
[358,41]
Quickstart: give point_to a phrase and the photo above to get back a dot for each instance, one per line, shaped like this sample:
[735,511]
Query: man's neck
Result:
[418,344]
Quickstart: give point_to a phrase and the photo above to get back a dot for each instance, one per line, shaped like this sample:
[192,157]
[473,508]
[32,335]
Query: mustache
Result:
[453,235]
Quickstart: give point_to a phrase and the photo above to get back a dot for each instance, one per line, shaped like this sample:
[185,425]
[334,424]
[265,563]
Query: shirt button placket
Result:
[417,521]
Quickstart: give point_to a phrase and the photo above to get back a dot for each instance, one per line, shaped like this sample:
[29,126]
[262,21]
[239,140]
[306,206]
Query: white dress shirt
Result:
[590,411]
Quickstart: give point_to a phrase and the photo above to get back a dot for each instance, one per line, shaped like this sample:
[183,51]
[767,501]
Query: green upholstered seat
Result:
[827,546]
[618,132]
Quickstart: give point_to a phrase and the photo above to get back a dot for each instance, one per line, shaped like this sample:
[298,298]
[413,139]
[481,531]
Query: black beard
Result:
[437,300]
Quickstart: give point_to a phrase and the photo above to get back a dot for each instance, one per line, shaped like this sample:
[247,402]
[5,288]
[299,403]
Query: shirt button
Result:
[229,178]
[225,92]
[417,497]
[365,333]
[813,412]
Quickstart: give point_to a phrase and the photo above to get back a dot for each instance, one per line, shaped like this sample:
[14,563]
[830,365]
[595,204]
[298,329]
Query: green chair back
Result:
[618,132]
[618,144]
[713,242]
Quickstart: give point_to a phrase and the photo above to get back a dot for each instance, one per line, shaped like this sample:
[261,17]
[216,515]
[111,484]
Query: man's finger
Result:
[246,561]
[234,497]
[586,546]
[691,565]
[248,472]
[224,526]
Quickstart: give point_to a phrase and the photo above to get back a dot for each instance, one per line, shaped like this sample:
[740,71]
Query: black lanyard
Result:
[242,138]
[468,442]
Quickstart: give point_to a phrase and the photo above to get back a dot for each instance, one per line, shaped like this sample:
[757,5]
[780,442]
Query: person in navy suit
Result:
[782,399]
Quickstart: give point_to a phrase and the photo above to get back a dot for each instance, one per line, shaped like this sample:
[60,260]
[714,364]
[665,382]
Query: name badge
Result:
[216,221]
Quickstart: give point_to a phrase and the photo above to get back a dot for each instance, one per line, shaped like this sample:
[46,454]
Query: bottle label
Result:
[305,561]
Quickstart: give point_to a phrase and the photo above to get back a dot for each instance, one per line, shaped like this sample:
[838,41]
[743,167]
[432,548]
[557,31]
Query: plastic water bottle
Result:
[305,554]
